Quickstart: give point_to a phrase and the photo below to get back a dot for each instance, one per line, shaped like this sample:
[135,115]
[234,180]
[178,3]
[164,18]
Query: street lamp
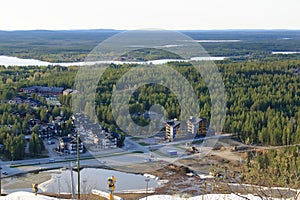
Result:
[84,181]
[58,180]
[147,181]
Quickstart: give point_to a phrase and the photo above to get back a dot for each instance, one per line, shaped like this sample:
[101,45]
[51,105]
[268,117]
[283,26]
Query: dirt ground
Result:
[176,173]
[24,181]
[95,197]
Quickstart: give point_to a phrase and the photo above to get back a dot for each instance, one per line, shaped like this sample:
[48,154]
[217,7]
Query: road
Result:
[131,153]
[131,145]
[119,156]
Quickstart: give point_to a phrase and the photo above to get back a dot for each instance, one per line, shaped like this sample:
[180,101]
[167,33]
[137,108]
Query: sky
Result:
[140,14]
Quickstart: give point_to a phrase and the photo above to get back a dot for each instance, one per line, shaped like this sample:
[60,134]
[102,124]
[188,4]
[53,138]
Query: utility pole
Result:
[78,157]
[0,181]
[78,165]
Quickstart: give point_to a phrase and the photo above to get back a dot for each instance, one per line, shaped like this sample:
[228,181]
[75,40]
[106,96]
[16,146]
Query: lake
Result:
[285,52]
[216,41]
[91,178]
[14,61]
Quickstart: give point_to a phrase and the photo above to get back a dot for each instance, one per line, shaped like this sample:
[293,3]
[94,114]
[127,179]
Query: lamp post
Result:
[72,181]
[84,186]
[58,180]
[147,181]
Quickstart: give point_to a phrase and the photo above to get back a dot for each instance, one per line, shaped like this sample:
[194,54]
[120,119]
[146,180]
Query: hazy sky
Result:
[138,14]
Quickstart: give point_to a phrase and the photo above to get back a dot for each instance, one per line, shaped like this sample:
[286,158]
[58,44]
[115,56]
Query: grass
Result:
[144,144]
[135,138]
[159,153]
[181,147]
[3,158]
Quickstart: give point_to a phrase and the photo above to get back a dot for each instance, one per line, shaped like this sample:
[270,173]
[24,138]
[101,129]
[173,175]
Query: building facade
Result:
[197,126]
[69,145]
[175,129]
[48,91]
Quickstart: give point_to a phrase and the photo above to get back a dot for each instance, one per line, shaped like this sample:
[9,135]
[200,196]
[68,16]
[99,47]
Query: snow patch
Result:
[25,196]
[204,197]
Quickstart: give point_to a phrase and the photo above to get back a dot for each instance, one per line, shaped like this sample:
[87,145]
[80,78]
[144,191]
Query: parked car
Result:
[51,142]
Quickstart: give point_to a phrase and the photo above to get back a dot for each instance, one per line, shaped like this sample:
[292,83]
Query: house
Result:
[70,91]
[197,126]
[22,100]
[32,122]
[67,91]
[94,136]
[46,132]
[105,140]
[46,91]
[17,100]
[109,143]
[68,145]
[33,103]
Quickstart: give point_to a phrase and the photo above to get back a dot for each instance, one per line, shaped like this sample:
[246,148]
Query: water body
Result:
[55,181]
[286,52]
[213,41]
[96,179]
[14,61]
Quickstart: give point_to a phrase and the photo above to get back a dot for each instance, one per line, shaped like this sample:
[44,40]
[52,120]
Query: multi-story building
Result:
[197,126]
[175,128]
[202,127]
[47,91]
[194,126]
[105,141]
[69,145]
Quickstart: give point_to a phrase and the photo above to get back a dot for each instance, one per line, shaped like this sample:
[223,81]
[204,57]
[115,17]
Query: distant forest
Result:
[72,46]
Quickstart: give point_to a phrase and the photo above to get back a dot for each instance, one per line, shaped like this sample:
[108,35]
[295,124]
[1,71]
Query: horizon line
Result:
[110,29]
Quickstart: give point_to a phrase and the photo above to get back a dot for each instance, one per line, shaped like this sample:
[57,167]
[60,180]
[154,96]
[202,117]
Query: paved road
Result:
[131,145]
[118,156]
